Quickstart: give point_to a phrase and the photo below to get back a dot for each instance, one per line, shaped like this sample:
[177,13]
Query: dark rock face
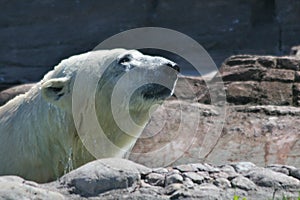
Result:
[35,39]
[123,179]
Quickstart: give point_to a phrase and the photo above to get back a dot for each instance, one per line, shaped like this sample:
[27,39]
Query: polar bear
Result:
[39,136]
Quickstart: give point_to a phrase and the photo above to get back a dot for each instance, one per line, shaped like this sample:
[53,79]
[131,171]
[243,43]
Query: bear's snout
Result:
[174,66]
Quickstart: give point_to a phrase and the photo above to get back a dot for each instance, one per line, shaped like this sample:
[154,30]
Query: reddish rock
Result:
[259,125]
[10,93]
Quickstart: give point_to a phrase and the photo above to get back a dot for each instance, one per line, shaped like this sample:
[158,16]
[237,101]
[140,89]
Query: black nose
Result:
[174,66]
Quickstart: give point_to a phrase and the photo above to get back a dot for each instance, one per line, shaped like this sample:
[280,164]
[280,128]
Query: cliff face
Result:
[36,35]
[259,123]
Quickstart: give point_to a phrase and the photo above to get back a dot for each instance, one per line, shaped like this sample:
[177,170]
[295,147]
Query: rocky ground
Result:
[248,146]
[123,179]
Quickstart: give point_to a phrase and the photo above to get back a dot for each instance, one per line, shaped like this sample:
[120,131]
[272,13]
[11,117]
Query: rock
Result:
[288,62]
[296,92]
[295,173]
[279,168]
[160,170]
[266,80]
[229,170]
[201,167]
[155,179]
[269,178]
[219,175]
[174,178]
[243,92]
[12,187]
[222,183]
[263,96]
[195,177]
[188,183]
[254,133]
[170,189]
[242,167]
[243,183]
[208,191]
[122,179]
[103,175]
[186,168]
[281,75]
[189,88]
[10,93]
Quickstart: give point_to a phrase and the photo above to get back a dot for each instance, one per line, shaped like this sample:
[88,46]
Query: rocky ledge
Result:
[124,179]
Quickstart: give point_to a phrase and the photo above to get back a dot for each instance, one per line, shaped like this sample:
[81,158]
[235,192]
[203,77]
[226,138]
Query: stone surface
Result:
[195,177]
[10,93]
[266,80]
[259,125]
[187,168]
[123,179]
[103,175]
[269,178]
[155,179]
[174,178]
[14,188]
[262,135]
[243,167]
[243,183]
[280,168]
[222,183]
[295,173]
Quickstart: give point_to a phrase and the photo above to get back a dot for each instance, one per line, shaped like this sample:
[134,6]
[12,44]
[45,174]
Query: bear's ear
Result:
[54,89]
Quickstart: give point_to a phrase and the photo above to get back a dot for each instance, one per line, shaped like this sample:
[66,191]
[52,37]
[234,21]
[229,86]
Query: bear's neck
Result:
[120,132]
[44,132]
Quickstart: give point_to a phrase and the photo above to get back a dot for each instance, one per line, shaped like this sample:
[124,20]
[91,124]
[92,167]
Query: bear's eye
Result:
[124,59]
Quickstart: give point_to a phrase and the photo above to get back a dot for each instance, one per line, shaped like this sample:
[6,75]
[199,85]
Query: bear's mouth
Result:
[155,92]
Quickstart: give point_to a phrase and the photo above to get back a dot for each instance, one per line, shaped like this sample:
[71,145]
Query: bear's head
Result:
[118,84]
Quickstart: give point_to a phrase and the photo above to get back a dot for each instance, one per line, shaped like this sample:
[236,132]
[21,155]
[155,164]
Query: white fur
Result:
[38,138]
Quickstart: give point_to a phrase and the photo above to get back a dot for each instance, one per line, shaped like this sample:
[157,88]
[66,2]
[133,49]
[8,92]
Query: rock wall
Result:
[262,80]
[258,124]
[36,35]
